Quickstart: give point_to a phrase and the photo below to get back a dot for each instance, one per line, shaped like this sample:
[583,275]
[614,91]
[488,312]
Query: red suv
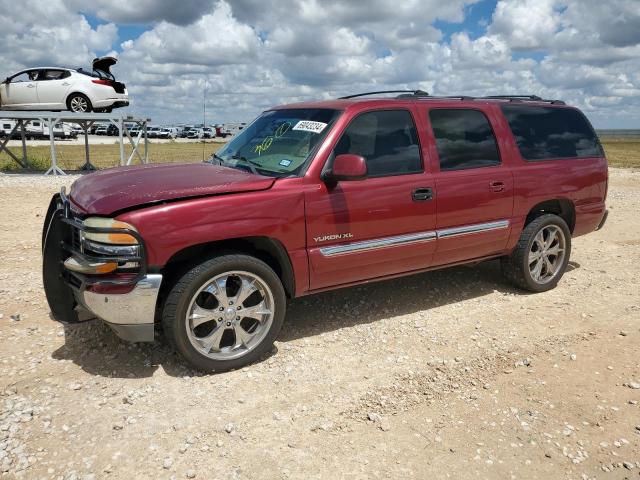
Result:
[316,196]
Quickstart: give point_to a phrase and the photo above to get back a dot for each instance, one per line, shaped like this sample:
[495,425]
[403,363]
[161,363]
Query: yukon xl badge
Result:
[337,236]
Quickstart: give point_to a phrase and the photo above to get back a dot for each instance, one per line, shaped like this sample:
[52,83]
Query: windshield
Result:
[279,142]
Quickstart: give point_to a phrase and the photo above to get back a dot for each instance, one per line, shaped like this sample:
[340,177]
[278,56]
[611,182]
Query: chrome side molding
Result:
[380,243]
[478,227]
[412,238]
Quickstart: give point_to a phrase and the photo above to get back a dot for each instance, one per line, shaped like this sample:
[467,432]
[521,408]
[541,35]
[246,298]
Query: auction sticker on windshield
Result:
[309,126]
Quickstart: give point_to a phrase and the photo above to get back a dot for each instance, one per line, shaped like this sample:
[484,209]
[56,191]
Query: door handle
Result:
[31,85]
[422,194]
[66,84]
[497,186]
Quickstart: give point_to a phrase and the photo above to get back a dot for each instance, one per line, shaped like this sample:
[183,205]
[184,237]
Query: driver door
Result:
[381,225]
[21,92]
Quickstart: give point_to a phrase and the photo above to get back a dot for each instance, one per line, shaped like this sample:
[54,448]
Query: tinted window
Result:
[53,75]
[386,139]
[549,132]
[464,139]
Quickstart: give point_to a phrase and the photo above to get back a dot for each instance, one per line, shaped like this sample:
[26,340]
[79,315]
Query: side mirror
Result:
[347,167]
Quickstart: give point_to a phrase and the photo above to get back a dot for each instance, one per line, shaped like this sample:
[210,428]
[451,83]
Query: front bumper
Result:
[130,314]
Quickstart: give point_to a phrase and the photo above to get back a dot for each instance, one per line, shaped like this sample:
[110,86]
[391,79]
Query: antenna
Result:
[204,113]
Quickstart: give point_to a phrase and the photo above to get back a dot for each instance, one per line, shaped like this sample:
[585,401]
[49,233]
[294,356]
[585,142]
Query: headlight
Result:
[114,237]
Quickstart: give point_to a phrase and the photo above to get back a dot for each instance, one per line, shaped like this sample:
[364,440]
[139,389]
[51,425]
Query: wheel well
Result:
[270,251]
[560,206]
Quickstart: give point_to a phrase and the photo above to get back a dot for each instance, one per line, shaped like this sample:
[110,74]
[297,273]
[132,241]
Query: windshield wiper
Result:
[214,156]
[249,163]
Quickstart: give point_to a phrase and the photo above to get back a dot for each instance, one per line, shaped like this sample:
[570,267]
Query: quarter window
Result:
[388,141]
[544,133]
[464,139]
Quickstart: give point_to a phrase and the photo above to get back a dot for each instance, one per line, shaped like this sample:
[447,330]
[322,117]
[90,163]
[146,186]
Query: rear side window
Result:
[545,133]
[53,74]
[464,139]
[388,141]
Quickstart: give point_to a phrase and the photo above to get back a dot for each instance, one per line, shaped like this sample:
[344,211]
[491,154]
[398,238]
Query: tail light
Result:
[102,82]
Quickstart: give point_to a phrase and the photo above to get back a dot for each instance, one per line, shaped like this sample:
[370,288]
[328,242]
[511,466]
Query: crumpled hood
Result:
[114,189]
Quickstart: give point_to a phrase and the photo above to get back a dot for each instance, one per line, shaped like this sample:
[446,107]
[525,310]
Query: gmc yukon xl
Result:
[317,196]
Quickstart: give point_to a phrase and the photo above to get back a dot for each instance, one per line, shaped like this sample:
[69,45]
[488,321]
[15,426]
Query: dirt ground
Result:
[449,374]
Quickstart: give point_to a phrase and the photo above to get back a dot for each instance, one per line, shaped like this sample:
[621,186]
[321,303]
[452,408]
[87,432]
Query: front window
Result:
[279,142]
[388,141]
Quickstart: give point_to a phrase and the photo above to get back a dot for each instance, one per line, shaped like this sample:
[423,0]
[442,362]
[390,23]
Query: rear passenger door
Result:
[474,188]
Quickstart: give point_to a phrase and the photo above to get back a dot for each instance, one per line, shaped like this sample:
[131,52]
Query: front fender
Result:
[274,214]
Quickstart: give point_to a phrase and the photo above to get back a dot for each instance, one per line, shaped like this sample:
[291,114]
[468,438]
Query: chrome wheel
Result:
[79,104]
[230,315]
[547,253]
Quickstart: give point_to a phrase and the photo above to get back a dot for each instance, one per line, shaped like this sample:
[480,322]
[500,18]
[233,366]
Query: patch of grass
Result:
[621,152]
[71,157]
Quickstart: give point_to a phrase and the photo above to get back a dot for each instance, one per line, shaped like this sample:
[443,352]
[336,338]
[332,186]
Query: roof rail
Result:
[533,98]
[514,97]
[418,93]
[424,95]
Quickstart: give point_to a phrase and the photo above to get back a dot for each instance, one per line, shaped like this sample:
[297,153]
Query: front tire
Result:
[225,313]
[541,256]
[79,103]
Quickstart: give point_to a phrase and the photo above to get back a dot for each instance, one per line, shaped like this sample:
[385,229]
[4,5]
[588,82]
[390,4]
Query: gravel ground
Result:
[449,374]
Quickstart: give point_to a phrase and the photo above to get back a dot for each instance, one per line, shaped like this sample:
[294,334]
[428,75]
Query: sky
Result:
[239,57]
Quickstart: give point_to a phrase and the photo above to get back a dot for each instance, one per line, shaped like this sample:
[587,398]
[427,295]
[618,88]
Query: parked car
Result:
[152,132]
[167,132]
[229,129]
[37,130]
[318,196]
[195,133]
[184,132]
[55,88]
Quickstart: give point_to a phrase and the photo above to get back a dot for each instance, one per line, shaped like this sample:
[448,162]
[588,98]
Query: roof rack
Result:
[514,97]
[408,93]
[532,98]
[463,98]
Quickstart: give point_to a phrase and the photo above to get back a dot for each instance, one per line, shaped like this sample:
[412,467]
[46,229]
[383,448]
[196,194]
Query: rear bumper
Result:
[111,103]
[604,220]
[131,315]
[589,218]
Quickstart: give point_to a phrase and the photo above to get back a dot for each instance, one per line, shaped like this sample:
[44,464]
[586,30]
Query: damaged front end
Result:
[96,267]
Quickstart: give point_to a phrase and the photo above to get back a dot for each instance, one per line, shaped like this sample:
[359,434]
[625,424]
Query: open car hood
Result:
[104,63]
[115,189]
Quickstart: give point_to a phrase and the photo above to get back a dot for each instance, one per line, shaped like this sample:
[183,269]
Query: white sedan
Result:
[54,88]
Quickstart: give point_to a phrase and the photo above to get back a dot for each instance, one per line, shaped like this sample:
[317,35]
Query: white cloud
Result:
[252,54]
[45,33]
[145,11]
[526,24]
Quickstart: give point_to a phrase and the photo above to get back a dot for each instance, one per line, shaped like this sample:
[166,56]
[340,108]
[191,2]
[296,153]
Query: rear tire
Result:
[79,103]
[225,313]
[541,255]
